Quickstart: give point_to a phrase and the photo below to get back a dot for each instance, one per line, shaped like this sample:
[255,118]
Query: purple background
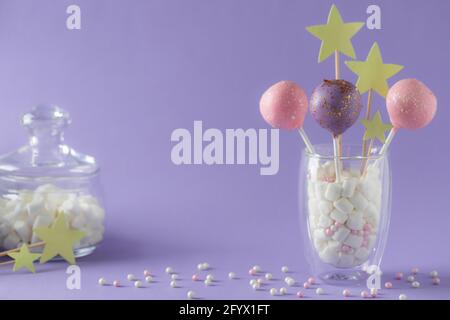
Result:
[140,69]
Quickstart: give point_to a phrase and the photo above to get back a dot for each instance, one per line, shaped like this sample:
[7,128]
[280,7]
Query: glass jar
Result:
[47,177]
[345,223]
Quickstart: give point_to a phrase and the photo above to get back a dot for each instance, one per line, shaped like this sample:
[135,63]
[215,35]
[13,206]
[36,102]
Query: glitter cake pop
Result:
[284,105]
[410,104]
[335,105]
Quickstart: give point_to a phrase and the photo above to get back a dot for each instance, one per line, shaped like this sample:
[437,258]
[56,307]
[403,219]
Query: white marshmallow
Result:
[5,229]
[349,186]
[371,212]
[319,234]
[18,213]
[353,241]
[313,207]
[355,221]
[341,234]
[78,221]
[12,241]
[23,230]
[314,221]
[333,191]
[329,169]
[343,205]
[330,253]
[321,188]
[88,199]
[325,207]
[35,207]
[358,201]
[95,216]
[362,253]
[320,244]
[325,221]
[339,216]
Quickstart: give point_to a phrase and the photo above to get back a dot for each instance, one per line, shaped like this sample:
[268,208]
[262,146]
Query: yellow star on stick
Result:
[59,239]
[373,73]
[335,35]
[24,259]
[375,128]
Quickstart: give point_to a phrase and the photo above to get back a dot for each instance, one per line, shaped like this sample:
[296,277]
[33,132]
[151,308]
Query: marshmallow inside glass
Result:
[45,178]
[347,221]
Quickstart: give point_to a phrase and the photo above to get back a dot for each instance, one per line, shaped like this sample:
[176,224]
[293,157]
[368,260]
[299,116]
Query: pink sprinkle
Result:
[366,233]
[333,228]
[354,232]
[388,285]
[300,294]
[328,232]
[346,293]
[147,273]
[365,243]
[311,280]
[436,281]
[195,277]
[306,285]
[337,224]
[116,283]
[399,276]
[415,271]
[366,227]
[345,248]
[365,294]
[252,272]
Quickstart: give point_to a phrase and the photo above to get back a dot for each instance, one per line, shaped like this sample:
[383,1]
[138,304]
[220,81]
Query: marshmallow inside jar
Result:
[345,222]
[45,178]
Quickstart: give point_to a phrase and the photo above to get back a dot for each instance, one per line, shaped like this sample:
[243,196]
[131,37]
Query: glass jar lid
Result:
[46,154]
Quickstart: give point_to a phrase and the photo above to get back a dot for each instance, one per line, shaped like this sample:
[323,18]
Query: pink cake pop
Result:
[284,105]
[411,105]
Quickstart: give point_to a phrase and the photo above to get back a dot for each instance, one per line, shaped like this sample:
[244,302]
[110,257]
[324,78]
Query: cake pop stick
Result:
[284,105]
[306,140]
[337,141]
[337,66]
[389,138]
[411,105]
[34,245]
[335,105]
[336,158]
[366,149]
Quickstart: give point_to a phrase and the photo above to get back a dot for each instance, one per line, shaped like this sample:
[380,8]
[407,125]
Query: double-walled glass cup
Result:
[344,223]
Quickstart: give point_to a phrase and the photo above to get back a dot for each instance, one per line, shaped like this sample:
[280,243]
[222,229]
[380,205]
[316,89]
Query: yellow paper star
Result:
[373,73]
[59,239]
[335,35]
[24,259]
[375,128]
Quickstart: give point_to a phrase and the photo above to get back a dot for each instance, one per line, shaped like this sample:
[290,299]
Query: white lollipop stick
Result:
[388,141]
[336,158]
[306,140]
